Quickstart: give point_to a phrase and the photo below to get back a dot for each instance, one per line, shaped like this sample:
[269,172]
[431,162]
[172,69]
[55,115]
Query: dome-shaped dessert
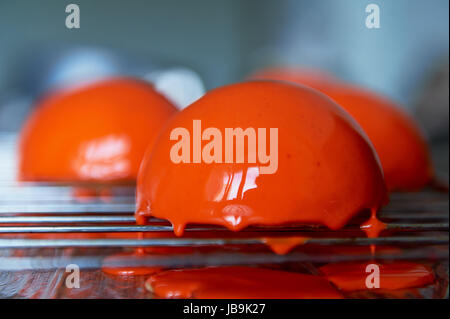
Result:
[396,137]
[296,156]
[98,132]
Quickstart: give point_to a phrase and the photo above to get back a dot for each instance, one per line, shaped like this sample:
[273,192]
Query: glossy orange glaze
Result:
[351,276]
[373,227]
[283,245]
[130,271]
[127,271]
[239,283]
[397,138]
[94,133]
[327,168]
[399,143]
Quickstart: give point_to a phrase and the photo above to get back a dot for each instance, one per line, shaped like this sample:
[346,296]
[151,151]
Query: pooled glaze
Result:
[239,283]
[327,168]
[351,276]
[98,132]
[127,271]
[397,138]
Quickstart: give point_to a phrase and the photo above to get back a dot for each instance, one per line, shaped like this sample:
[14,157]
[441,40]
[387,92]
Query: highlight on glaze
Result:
[327,170]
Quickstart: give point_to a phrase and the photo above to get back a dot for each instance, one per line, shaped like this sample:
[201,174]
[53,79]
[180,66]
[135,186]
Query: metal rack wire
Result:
[423,222]
[33,208]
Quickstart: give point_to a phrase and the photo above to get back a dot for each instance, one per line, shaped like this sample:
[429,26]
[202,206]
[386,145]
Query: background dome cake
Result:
[97,132]
[398,140]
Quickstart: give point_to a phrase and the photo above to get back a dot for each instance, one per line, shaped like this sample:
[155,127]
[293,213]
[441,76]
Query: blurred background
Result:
[187,47]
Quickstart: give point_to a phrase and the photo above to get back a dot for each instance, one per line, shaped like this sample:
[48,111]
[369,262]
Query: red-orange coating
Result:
[94,133]
[351,276]
[283,245]
[239,283]
[127,271]
[327,168]
[373,226]
[398,140]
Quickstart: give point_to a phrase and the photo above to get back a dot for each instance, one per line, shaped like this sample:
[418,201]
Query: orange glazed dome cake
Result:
[398,140]
[261,152]
[97,132]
